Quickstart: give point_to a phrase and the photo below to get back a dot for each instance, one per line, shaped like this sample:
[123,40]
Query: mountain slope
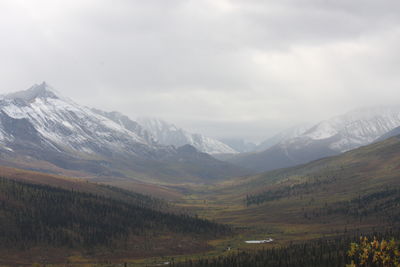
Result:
[327,138]
[40,125]
[127,123]
[354,191]
[168,134]
[392,133]
[82,185]
[58,123]
[330,202]
[367,168]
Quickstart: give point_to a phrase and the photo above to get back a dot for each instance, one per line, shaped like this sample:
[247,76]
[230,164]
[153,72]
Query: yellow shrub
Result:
[374,253]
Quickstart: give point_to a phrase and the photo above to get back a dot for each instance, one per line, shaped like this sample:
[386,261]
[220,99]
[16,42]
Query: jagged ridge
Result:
[169,134]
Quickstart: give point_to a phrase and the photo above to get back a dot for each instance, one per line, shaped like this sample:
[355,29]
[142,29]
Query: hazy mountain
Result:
[356,128]
[169,134]
[240,145]
[290,133]
[336,135]
[40,124]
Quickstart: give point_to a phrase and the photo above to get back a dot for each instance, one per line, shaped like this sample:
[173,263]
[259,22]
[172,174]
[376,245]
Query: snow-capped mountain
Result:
[356,128]
[62,125]
[330,137]
[169,134]
[40,124]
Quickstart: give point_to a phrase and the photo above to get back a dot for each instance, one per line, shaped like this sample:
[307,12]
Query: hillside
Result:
[283,155]
[67,221]
[312,211]
[370,166]
[356,189]
[83,185]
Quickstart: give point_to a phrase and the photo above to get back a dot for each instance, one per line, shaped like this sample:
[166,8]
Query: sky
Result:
[224,68]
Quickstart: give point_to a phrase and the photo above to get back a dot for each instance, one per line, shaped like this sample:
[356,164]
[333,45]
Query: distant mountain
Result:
[356,188]
[240,145]
[169,134]
[327,138]
[356,128]
[290,133]
[40,127]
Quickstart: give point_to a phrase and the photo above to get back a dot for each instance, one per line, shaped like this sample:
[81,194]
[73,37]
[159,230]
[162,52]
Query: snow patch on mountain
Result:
[63,124]
[355,128]
[169,134]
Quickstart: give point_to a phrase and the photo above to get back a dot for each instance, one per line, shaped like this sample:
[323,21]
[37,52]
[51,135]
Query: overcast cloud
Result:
[225,68]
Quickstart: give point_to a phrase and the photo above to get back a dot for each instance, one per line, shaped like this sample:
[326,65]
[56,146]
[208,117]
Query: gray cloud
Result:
[220,67]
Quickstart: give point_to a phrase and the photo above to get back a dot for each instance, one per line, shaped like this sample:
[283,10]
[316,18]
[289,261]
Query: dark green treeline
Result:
[320,253]
[33,214]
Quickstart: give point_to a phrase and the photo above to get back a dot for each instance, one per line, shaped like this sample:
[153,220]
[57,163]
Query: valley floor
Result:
[282,220]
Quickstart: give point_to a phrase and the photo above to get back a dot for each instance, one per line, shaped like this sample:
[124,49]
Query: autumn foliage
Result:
[374,253]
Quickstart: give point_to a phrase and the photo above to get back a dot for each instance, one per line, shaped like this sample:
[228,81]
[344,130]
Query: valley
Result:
[217,133]
[353,194]
[344,196]
[106,192]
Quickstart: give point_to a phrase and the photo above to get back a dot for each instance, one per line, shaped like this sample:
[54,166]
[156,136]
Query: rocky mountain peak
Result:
[42,90]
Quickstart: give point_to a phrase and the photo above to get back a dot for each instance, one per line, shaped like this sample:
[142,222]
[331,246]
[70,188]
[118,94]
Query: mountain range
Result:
[327,138]
[354,190]
[50,133]
[42,130]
